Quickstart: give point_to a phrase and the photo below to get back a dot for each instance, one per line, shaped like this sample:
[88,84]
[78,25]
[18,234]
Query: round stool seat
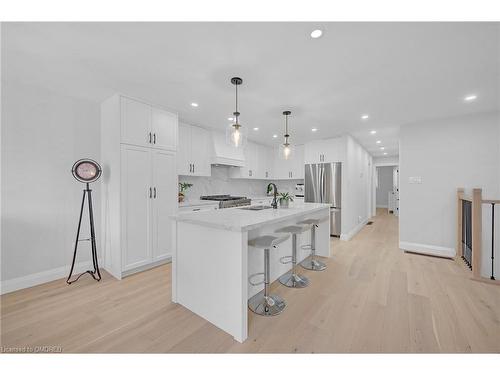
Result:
[266,242]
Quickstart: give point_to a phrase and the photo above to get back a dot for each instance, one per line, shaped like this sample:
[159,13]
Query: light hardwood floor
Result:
[372,298]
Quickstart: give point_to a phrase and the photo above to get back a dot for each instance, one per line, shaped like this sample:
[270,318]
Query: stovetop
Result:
[227,201]
[221,197]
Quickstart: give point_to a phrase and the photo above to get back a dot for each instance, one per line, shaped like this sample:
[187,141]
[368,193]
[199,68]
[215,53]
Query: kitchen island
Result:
[211,258]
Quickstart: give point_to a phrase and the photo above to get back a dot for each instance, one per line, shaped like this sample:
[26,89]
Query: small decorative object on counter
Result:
[285,199]
[183,186]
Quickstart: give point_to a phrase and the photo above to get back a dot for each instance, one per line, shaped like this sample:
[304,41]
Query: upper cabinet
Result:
[292,168]
[194,151]
[164,129]
[325,151]
[258,163]
[147,126]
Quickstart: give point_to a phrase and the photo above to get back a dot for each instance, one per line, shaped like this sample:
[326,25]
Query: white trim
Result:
[354,231]
[382,206]
[144,267]
[43,277]
[440,251]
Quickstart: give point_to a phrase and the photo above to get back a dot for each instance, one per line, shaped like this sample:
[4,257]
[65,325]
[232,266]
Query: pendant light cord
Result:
[236,114]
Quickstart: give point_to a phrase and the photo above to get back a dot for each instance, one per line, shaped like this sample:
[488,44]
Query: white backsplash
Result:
[221,183]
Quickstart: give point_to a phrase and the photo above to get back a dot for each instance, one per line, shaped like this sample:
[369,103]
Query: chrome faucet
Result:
[275,194]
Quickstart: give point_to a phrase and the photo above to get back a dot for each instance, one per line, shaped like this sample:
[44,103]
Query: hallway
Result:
[372,298]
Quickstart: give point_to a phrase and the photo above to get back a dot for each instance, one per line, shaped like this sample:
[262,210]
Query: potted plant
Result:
[285,199]
[183,186]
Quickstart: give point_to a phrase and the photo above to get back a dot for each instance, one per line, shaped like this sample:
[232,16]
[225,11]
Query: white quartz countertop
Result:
[236,219]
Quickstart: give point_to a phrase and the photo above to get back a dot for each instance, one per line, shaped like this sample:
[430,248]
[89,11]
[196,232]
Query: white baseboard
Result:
[353,232]
[43,277]
[446,252]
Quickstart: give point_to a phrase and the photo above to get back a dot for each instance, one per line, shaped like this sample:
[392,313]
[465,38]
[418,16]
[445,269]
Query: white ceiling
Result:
[396,72]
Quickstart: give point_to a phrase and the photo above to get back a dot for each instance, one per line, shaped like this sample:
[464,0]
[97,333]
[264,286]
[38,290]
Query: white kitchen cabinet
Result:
[164,129]
[144,125]
[136,206]
[164,203]
[259,163]
[292,168]
[138,187]
[325,151]
[195,151]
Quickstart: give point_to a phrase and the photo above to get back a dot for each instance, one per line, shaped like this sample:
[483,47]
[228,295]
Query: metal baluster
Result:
[492,240]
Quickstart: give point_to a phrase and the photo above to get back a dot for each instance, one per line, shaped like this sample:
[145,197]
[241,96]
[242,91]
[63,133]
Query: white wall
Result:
[385,179]
[43,134]
[446,154]
[356,188]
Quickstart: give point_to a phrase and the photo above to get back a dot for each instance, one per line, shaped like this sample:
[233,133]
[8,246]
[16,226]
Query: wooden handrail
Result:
[490,201]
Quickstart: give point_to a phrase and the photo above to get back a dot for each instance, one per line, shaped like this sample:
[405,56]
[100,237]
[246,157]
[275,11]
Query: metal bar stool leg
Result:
[311,263]
[291,279]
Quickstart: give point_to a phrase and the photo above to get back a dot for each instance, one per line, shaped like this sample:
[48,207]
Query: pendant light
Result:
[235,133]
[285,150]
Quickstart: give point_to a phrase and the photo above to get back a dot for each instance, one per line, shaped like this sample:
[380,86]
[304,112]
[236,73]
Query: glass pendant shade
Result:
[286,151]
[236,135]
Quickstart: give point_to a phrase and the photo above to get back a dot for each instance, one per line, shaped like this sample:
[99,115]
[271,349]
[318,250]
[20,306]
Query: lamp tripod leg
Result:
[77,239]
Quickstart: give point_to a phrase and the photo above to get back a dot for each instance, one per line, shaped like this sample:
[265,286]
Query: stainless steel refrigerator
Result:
[323,184]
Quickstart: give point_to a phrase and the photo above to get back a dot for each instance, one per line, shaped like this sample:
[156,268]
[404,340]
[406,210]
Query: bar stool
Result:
[311,263]
[263,303]
[291,279]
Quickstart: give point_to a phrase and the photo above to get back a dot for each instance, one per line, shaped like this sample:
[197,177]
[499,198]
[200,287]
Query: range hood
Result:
[225,154]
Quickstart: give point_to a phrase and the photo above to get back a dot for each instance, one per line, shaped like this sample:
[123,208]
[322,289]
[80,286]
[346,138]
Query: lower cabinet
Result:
[148,197]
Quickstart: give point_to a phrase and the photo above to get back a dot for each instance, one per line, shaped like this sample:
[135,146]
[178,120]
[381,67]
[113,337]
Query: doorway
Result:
[387,189]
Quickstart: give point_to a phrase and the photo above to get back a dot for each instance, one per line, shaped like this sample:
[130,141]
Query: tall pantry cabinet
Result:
[139,184]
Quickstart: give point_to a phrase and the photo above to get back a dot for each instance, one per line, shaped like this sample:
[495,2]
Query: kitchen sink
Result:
[255,208]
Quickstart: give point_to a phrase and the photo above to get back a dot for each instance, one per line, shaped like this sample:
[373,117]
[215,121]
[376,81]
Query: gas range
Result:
[227,201]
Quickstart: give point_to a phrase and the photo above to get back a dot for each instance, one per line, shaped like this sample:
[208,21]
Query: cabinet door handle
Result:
[154,138]
[149,137]
[190,167]
[193,167]
[196,209]
[291,174]
[150,192]
[154,194]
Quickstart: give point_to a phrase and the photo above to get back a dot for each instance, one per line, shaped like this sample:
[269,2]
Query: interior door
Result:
[136,206]
[164,128]
[164,203]
[201,151]
[135,123]
[184,151]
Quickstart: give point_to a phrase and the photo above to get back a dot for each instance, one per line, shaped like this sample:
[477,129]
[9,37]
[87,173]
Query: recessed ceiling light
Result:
[470,98]
[385,153]
[275,135]
[255,129]
[365,117]
[373,132]
[382,148]
[316,33]
[194,104]
[378,142]
[314,129]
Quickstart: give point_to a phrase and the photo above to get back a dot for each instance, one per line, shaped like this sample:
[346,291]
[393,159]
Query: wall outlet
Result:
[415,180]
